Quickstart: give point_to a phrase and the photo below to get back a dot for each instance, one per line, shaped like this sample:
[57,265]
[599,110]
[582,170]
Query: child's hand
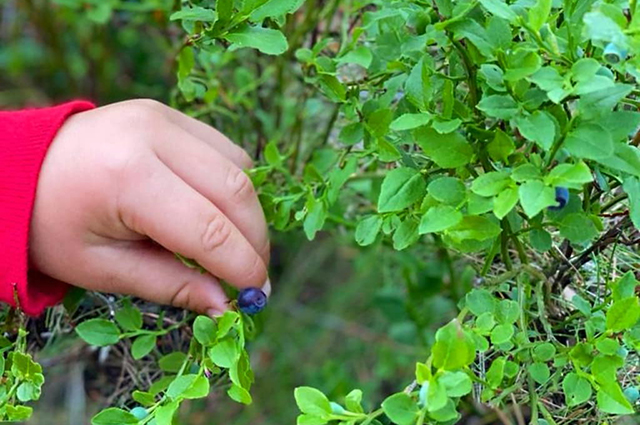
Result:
[124,186]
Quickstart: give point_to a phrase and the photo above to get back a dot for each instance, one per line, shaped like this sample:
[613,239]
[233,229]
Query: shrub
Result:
[501,135]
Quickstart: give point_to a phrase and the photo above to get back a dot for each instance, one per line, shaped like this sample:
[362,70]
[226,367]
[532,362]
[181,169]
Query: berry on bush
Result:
[632,394]
[614,54]
[562,197]
[252,301]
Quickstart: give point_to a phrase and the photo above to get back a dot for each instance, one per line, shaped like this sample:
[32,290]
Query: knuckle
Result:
[239,184]
[181,297]
[141,116]
[257,274]
[216,233]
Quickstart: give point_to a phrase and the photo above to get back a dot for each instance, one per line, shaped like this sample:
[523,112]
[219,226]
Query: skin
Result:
[124,186]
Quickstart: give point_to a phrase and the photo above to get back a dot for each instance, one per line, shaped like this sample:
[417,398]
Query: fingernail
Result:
[214,313]
[266,288]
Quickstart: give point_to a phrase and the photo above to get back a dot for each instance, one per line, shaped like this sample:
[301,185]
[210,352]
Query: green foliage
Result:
[422,126]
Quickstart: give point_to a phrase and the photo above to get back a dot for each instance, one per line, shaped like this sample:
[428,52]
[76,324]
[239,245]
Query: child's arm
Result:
[124,186]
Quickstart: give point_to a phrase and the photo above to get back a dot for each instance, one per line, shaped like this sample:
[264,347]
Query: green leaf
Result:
[436,397]
[164,414]
[194,13]
[401,188]
[312,402]
[508,311]
[480,301]
[129,318]
[332,88]
[368,229]
[589,140]
[539,372]
[537,127]
[501,334]
[353,401]
[495,374]
[525,172]
[275,8]
[611,400]
[114,416]
[189,387]
[418,86]
[205,330]
[266,40]
[505,202]
[410,121]
[501,147]
[18,413]
[142,346]
[227,322]
[499,8]
[474,227]
[623,314]
[540,240]
[28,391]
[439,218]
[491,183]
[144,398]
[23,367]
[305,419]
[535,196]
[539,14]
[225,353]
[572,176]
[544,352]
[454,347]
[448,190]
[456,384]
[239,394]
[577,390]
[631,186]
[499,106]
[98,332]
[578,228]
[406,234]
[401,409]
[352,133]
[360,55]
[172,362]
[625,286]
[521,63]
[485,322]
[315,218]
[449,150]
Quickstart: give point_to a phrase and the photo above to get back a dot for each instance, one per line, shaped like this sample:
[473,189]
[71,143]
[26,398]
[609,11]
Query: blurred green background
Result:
[340,317]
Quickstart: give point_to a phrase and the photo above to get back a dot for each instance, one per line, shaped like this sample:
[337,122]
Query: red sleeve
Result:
[24,138]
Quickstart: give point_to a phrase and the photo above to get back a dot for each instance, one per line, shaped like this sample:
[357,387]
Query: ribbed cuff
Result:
[24,138]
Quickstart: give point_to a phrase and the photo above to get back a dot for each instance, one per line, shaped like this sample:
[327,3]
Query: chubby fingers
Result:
[219,180]
[148,271]
[200,130]
[162,206]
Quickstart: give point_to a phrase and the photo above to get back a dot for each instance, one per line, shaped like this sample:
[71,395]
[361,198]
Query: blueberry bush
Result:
[499,136]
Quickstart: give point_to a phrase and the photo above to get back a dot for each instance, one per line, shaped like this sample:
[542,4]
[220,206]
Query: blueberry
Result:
[614,54]
[562,197]
[252,301]
[632,394]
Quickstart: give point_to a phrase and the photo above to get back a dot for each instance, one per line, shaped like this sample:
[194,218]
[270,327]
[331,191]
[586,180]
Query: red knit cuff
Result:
[24,138]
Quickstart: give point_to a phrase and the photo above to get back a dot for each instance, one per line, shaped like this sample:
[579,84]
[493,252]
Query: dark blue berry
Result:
[252,301]
[614,54]
[562,197]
